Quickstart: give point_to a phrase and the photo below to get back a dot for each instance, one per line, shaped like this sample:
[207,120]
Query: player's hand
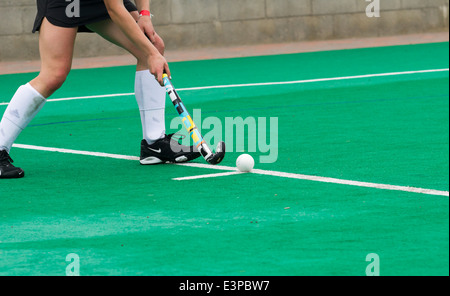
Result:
[158,66]
[146,25]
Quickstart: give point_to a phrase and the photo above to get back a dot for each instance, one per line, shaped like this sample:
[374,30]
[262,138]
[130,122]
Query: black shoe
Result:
[7,170]
[167,150]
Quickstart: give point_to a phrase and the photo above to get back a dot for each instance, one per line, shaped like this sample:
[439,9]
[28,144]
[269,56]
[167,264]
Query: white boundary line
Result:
[256,171]
[259,84]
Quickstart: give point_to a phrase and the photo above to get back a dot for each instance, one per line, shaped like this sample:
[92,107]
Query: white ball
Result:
[245,163]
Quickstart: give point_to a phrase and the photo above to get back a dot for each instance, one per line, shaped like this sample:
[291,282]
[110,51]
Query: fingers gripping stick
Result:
[199,142]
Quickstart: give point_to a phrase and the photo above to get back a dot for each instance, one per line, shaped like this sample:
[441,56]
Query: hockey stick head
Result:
[217,157]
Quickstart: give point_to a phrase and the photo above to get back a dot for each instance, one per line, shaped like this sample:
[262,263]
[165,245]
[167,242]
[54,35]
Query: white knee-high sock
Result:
[151,99]
[24,106]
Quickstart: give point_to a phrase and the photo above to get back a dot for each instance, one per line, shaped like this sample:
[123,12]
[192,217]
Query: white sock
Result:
[151,99]
[24,106]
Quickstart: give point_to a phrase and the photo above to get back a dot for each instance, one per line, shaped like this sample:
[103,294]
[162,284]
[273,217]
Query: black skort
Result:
[90,11]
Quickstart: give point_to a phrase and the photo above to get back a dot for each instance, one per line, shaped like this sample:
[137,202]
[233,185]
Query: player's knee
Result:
[160,46]
[56,79]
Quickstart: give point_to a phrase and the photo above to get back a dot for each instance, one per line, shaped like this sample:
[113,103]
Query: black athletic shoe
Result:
[165,150]
[7,170]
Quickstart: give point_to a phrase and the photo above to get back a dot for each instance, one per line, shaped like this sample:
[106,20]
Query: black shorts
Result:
[90,11]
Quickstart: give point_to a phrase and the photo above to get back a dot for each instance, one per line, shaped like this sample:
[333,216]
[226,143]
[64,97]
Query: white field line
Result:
[259,84]
[317,80]
[86,97]
[232,171]
[207,176]
[353,183]
[79,152]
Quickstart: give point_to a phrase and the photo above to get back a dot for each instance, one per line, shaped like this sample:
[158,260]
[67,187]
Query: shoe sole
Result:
[12,176]
[151,161]
[155,160]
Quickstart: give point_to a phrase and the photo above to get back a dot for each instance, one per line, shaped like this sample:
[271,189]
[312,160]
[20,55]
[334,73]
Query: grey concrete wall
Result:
[199,23]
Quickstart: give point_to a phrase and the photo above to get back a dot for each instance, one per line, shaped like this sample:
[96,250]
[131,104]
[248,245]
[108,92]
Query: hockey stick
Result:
[199,142]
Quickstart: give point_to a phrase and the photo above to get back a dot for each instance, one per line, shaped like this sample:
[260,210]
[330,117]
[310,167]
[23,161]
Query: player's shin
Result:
[151,98]
[25,104]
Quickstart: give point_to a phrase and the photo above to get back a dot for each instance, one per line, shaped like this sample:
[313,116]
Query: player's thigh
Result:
[135,15]
[56,46]
[111,32]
